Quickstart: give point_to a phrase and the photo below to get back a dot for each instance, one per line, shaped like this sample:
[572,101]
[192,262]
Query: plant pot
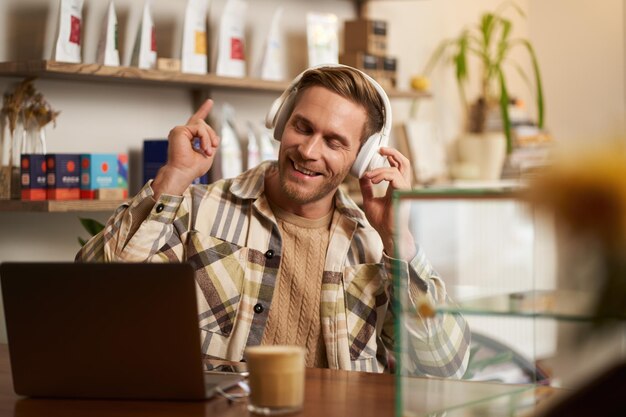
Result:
[483,154]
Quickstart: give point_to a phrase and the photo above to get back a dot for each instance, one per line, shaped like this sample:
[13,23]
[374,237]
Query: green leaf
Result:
[504,109]
[503,45]
[82,241]
[486,28]
[539,93]
[460,60]
[91,225]
[507,26]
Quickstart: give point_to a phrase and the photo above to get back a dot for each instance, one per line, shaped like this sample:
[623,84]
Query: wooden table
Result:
[329,393]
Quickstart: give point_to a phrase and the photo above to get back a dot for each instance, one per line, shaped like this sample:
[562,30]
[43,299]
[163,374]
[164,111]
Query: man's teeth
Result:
[304,170]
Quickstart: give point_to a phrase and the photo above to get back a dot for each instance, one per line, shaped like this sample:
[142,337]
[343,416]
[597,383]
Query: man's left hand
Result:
[379,210]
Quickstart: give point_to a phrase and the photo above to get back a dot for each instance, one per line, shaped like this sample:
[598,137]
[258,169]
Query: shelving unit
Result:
[136,76]
[47,69]
[58,206]
[100,73]
[567,305]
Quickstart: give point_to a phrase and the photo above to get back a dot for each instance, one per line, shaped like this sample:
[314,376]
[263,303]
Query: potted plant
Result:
[490,41]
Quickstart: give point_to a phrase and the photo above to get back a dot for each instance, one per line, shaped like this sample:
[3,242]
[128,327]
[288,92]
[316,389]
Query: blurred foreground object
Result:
[586,192]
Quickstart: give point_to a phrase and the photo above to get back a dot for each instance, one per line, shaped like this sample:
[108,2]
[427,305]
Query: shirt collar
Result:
[251,184]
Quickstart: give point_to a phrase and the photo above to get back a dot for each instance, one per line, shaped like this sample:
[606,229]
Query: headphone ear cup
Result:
[377,161]
[280,120]
[368,157]
[270,117]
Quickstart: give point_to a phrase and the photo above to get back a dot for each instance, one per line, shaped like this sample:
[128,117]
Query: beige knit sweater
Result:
[294,317]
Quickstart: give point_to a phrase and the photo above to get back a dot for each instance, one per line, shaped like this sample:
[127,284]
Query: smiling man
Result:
[282,255]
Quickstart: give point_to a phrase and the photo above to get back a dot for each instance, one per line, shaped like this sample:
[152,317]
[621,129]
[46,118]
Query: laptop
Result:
[115,331]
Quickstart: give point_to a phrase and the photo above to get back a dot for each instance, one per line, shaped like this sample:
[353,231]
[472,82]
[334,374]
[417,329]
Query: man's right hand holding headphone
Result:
[185,162]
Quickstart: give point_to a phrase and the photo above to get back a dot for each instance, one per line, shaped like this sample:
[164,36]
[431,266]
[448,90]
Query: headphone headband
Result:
[271,117]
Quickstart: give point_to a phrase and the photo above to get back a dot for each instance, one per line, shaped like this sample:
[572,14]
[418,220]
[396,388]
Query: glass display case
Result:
[494,263]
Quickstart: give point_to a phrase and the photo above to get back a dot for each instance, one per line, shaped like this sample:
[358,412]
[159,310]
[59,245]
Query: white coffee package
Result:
[231,59]
[254,155]
[108,50]
[68,41]
[194,51]
[145,51]
[322,39]
[273,61]
[230,147]
[268,146]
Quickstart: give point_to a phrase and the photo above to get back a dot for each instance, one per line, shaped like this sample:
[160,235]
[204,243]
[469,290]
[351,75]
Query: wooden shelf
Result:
[136,76]
[58,206]
[101,73]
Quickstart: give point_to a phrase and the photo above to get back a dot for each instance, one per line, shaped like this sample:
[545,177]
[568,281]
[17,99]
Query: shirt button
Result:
[269,254]
[258,308]
[160,207]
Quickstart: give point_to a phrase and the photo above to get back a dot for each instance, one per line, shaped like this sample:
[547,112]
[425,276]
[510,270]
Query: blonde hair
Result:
[352,85]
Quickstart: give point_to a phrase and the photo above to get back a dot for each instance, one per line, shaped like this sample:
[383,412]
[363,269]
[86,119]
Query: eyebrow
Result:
[330,135]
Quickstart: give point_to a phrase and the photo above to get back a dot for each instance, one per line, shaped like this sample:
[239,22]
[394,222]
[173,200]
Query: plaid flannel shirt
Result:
[229,234]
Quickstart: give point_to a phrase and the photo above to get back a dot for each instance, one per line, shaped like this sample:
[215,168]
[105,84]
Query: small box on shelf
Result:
[33,180]
[97,171]
[63,175]
[365,48]
[122,173]
[388,75]
[368,63]
[155,156]
[365,35]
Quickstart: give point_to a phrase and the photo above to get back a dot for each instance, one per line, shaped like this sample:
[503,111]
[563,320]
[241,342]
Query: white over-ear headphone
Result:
[368,157]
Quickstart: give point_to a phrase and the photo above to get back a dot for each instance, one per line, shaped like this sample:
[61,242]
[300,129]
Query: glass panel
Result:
[558,304]
[424,396]
[529,302]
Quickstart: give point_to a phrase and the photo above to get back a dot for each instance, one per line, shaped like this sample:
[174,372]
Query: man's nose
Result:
[312,147]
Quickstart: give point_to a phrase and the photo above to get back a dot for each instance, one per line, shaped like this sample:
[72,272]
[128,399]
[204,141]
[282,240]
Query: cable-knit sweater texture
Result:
[294,317]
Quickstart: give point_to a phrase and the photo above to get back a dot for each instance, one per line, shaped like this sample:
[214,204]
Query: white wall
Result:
[580,44]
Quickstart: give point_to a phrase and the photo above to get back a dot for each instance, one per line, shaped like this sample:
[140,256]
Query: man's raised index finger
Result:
[202,112]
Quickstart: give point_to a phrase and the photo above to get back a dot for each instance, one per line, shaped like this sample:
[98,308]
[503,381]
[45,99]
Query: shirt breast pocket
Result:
[219,269]
[366,299]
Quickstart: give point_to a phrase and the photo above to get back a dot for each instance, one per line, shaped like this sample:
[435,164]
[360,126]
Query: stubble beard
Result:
[297,194]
